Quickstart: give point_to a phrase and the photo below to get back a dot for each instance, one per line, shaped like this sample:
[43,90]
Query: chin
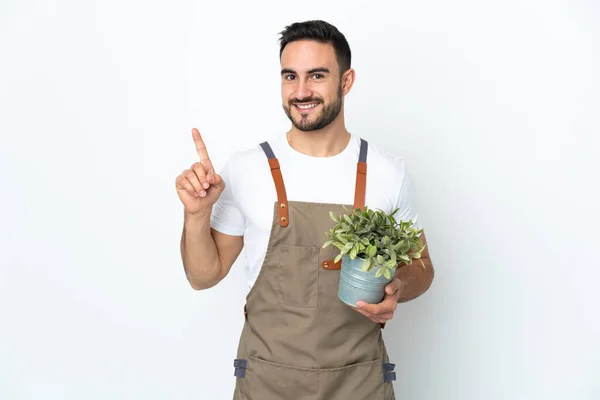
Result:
[310,128]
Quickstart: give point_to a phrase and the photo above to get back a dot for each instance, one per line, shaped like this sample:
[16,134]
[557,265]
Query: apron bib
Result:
[299,341]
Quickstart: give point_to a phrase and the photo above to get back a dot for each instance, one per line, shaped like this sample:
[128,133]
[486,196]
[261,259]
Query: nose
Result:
[303,90]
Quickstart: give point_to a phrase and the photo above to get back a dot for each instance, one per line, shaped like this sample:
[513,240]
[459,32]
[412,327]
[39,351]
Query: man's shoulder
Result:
[390,177]
[383,161]
[246,156]
[251,157]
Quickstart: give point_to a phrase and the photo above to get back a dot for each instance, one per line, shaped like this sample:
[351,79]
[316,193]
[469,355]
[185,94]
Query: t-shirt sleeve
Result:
[227,216]
[406,200]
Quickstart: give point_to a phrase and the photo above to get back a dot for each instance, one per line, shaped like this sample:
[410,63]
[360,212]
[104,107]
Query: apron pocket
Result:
[298,276]
[266,380]
[362,381]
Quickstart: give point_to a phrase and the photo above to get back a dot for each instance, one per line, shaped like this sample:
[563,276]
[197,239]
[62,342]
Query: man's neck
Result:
[325,142]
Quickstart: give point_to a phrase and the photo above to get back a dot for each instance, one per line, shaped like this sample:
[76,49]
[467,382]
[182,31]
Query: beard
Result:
[327,115]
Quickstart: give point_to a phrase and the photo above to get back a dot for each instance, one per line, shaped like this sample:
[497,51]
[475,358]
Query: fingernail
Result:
[202,193]
[205,185]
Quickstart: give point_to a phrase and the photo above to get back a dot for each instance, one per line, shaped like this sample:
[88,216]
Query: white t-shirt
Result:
[245,208]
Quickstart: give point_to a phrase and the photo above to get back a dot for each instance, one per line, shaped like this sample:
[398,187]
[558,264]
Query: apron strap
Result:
[359,190]
[282,201]
[359,194]
[361,176]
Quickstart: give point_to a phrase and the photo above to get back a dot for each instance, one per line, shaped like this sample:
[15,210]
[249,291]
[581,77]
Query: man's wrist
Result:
[196,223]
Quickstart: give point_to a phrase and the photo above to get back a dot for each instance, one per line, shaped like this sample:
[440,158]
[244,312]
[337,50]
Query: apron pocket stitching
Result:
[297,276]
[345,367]
[285,366]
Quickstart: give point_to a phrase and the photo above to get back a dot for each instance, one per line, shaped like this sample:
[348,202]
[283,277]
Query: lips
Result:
[305,106]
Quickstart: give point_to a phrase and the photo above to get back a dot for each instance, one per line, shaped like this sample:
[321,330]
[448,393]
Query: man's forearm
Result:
[416,278]
[201,261]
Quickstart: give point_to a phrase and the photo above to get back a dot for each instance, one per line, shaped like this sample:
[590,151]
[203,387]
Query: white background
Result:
[494,104]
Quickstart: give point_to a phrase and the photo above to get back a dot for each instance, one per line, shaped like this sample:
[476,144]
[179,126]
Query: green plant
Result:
[376,237]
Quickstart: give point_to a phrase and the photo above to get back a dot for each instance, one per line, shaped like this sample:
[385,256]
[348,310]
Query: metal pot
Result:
[356,285]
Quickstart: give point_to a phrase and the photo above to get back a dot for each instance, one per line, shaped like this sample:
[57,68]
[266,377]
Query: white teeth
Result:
[307,106]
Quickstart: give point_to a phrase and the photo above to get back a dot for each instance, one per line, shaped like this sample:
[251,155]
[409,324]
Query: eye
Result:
[318,76]
[289,77]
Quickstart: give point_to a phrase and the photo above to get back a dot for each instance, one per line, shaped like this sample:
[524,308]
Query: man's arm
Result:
[416,278]
[413,278]
[410,280]
[207,254]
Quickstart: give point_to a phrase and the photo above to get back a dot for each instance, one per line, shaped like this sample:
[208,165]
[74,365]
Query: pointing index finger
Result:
[202,152]
[200,146]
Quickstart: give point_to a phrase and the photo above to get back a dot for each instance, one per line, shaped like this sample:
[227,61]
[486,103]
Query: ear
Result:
[348,80]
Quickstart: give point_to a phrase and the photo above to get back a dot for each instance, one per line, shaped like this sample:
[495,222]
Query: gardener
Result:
[299,340]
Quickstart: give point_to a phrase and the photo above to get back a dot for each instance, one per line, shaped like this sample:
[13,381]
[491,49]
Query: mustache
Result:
[305,100]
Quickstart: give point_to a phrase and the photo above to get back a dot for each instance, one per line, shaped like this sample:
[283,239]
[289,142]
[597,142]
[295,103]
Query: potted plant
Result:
[372,245]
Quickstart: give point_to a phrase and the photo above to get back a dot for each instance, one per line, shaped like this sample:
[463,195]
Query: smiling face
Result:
[311,88]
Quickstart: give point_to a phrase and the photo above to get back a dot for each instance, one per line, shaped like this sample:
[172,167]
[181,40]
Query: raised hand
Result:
[200,186]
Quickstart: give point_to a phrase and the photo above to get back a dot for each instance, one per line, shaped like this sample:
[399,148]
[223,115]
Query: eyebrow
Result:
[310,71]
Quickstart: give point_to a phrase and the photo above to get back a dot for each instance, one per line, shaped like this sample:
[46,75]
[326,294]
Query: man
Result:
[299,341]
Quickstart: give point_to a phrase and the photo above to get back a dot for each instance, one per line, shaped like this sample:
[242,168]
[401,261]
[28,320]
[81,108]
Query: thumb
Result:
[393,287]
[216,181]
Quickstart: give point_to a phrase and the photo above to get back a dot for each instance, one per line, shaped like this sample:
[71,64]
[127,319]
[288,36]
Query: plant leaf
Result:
[404,258]
[371,250]
[339,245]
[366,265]
[332,216]
[328,243]
[341,238]
[337,258]
[347,248]
[387,274]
